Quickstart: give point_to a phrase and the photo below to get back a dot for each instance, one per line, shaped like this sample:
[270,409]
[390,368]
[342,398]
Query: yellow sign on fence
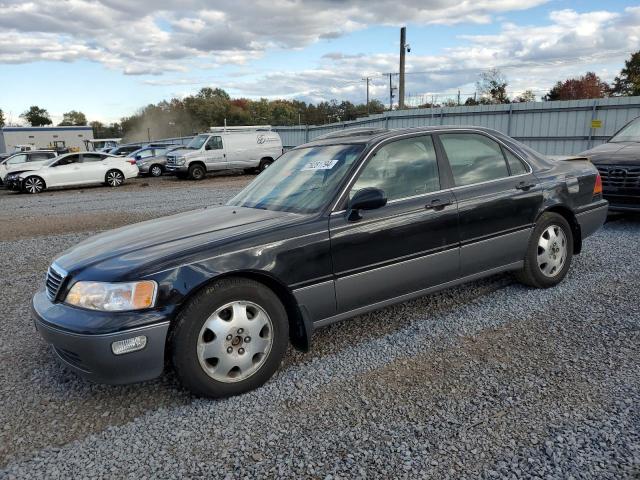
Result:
[596,123]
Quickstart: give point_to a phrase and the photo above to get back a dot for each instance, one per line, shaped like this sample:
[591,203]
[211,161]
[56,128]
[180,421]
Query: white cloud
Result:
[136,37]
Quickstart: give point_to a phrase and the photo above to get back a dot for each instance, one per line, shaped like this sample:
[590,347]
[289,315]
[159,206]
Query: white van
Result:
[247,148]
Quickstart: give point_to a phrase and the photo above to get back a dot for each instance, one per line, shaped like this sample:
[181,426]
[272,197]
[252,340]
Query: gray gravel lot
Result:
[487,380]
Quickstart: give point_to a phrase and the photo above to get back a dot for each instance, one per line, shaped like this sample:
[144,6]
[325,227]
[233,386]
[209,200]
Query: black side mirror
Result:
[207,147]
[365,199]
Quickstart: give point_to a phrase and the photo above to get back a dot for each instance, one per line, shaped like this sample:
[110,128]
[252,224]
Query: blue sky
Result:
[107,58]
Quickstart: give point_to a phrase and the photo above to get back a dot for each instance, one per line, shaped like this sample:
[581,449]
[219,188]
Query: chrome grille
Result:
[620,179]
[54,280]
[171,160]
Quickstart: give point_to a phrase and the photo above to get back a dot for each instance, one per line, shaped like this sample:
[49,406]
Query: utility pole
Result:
[391,89]
[403,50]
[367,80]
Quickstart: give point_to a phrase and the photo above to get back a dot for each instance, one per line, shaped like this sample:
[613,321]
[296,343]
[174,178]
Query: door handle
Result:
[438,204]
[525,186]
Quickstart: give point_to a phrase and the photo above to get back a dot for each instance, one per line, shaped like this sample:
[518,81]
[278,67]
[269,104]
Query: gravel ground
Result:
[487,380]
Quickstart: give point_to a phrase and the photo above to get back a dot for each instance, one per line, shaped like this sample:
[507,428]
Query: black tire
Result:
[264,164]
[185,335]
[114,178]
[33,184]
[533,274]
[156,170]
[197,172]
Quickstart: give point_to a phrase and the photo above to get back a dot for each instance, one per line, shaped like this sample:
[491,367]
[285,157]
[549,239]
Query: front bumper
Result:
[623,203]
[177,168]
[90,355]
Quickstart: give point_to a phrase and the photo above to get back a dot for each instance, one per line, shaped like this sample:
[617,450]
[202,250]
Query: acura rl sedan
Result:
[343,225]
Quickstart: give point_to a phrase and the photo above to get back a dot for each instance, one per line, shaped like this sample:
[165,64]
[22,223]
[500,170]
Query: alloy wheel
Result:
[114,179]
[552,250]
[33,185]
[156,171]
[235,341]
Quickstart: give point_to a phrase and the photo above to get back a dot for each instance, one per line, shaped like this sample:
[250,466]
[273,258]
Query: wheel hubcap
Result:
[155,171]
[235,341]
[552,250]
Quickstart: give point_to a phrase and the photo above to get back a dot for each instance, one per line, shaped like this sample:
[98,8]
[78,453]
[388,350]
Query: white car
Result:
[23,161]
[75,169]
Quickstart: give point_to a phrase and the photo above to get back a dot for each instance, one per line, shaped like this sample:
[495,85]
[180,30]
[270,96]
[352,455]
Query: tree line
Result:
[213,106]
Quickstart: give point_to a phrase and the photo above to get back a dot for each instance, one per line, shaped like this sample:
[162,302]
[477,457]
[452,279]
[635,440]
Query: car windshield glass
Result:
[630,133]
[301,180]
[51,162]
[197,142]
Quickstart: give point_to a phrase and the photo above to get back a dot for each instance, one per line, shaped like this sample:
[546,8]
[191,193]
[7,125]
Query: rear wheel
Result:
[264,164]
[114,178]
[155,171]
[197,172]
[549,252]
[230,338]
[33,185]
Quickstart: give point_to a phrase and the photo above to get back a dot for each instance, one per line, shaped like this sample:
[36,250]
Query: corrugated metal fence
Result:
[552,128]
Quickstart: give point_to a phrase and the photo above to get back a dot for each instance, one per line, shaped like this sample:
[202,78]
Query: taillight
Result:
[132,162]
[597,188]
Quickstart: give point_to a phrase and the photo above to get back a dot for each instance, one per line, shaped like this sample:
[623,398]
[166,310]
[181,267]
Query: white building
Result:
[42,137]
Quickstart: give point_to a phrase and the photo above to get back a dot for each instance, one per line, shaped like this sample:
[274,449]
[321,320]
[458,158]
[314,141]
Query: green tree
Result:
[628,82]
[73,118]
[36,116]
[492,86]
[1,118]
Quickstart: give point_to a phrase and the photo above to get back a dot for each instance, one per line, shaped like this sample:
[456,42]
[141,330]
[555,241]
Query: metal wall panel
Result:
[554,128]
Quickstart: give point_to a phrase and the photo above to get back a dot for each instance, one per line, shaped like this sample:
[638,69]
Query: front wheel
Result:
[549,252]
[33,185]
[114,178]
[155,171]
[197,172]
[229,339]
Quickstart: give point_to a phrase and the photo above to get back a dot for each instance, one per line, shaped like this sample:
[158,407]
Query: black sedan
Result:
[343,225]
[618,161]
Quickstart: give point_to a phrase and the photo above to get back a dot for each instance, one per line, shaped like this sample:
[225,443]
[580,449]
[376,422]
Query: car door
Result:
[406,246]
[498,199]
[215,157]
[66,171]
[93,167]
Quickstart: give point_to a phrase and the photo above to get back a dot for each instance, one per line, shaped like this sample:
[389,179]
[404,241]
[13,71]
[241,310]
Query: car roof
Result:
[374,135]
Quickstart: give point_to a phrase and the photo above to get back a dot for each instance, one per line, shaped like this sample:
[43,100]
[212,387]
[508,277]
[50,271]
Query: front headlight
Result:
[113,297]
[180,161]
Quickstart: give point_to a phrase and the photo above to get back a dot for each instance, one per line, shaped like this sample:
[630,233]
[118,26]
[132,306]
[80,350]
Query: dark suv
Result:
[335,228]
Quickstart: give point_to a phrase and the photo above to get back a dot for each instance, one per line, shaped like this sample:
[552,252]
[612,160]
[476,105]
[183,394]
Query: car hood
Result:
[615,153]
[158,244]
[181,151]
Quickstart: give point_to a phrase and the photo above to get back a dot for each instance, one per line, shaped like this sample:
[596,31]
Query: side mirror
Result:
[207,147]
[138,157]
[365,199]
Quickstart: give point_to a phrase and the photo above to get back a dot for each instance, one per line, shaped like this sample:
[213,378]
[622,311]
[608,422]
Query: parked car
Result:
[246,148]
[618,162]
[74,169]
[17,149]
[124,150]
[27,160]
[152,160]
[335,228]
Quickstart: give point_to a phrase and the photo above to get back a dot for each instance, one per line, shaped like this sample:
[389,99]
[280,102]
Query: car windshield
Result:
[630,133]
[301,181]
[197,142]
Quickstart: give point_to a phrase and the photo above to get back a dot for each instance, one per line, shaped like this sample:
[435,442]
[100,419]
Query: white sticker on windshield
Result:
[320,165]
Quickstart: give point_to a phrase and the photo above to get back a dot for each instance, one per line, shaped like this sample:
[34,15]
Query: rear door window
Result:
[474,158]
